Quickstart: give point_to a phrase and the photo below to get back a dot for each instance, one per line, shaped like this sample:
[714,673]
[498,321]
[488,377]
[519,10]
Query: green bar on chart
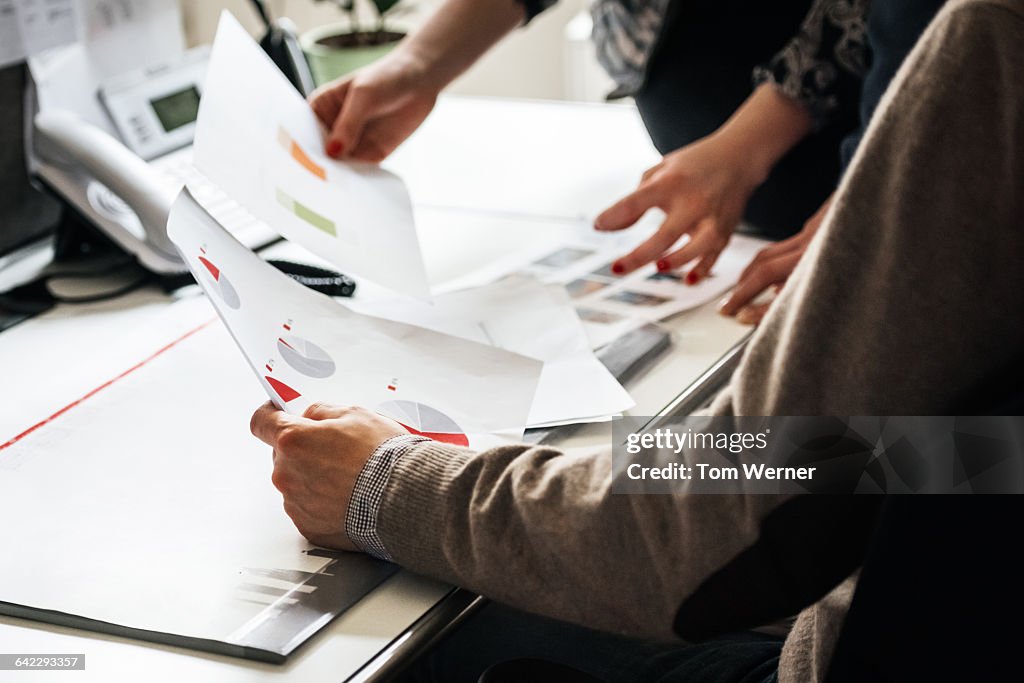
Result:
[305,213]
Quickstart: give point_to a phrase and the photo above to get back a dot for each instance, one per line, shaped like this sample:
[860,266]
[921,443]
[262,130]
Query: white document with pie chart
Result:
[521,314]
[306,348]
[258,141]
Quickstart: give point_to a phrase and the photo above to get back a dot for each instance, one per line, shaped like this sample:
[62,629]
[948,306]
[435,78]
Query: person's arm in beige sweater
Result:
[908,302]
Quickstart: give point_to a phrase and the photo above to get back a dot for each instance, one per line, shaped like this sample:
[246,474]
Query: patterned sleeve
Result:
[823,64]
[361,518]
[535,7]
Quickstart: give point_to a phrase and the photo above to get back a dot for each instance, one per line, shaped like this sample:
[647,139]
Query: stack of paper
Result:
[112,37]
[522,315]
[28,27]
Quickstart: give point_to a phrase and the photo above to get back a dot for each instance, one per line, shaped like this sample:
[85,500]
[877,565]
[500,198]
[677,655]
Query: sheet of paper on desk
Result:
[645,293]
[611,306]
[258,140]
[28,27]
[522,315]
[148,506]
[305,347]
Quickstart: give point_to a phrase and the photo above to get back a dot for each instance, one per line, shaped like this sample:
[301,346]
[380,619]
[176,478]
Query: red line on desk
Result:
[103,386]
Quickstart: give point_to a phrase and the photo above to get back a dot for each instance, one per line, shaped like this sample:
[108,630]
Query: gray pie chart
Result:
[228,293]
[220,284]
[305,357]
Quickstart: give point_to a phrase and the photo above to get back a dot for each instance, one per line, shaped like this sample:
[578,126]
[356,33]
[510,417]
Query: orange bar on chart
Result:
[299,155]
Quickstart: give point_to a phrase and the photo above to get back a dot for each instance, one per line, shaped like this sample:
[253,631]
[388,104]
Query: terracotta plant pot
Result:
[333,50]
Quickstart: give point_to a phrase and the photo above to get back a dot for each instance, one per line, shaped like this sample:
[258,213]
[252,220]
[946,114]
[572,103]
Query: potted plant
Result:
[337,49]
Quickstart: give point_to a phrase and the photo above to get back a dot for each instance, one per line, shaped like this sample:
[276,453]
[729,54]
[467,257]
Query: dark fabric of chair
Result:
[940,595]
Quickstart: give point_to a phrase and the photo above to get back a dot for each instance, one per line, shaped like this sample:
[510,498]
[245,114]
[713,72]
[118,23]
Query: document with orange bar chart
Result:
[258,140]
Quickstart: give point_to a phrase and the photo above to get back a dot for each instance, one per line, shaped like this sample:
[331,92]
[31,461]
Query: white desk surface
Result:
[456,237]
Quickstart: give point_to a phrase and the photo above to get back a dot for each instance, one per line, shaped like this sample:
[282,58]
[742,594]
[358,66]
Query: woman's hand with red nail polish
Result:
[371,112]
[703,188]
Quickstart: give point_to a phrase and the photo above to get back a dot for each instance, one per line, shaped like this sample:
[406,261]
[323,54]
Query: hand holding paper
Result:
[258,140]
[306,348]
[317,470]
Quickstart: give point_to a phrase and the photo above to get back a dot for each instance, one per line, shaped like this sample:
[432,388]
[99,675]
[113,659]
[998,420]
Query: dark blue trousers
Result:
[498,634]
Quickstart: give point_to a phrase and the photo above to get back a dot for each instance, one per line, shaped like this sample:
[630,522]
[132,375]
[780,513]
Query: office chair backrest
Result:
[936,593]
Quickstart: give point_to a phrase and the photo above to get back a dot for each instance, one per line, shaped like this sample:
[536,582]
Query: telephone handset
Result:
[110,185]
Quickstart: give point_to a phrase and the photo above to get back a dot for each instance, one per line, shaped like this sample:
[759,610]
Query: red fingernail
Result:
[692,277]
[662,265]
[333,148]
[618,268]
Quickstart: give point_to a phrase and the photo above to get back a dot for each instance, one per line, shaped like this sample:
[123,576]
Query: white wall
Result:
[530,63]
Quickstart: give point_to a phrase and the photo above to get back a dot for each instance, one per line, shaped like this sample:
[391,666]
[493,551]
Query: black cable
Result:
[261,10]
[323,280]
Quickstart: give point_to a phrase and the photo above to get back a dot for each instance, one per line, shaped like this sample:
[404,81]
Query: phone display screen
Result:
[177,109]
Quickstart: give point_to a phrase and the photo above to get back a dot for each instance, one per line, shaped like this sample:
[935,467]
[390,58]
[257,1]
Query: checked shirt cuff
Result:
[361,519]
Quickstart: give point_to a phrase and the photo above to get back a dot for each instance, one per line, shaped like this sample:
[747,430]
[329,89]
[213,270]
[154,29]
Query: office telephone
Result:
[121,166]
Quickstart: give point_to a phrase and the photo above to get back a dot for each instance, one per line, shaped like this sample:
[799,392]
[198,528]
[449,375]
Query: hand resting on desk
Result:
[770,269]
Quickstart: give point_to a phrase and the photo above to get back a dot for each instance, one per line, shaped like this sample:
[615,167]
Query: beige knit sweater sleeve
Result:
[908,302]
[541,530]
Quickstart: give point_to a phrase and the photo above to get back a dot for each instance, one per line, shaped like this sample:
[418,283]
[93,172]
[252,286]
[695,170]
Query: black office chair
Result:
[941,579]
[931,593]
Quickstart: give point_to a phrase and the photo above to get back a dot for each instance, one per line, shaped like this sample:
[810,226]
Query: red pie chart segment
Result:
[283,390]
[221,284]
[422,420]
[214,270]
